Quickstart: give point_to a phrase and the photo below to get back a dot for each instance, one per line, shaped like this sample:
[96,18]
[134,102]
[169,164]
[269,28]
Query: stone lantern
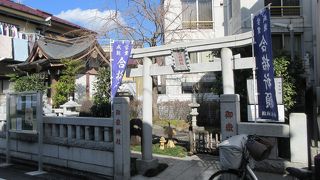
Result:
[193,125]
[194,112]
[69,108]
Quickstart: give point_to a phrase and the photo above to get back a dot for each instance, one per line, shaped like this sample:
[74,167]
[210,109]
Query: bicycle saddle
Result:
[299,173]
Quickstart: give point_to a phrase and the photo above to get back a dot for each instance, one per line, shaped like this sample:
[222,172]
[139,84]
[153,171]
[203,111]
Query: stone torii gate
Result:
[226,64]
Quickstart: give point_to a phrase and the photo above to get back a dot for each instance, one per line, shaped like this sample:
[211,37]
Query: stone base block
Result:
[145,165]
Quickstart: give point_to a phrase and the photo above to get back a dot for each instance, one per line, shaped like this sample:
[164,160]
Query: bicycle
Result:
[244,171]
[301,174]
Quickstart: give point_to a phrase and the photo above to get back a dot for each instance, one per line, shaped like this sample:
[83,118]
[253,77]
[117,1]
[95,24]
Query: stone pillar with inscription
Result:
[121,138]
[230,115]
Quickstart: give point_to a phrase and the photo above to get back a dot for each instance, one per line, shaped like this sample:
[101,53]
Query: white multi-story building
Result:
[206,19]
[185,21]
[190,20]
[287,16]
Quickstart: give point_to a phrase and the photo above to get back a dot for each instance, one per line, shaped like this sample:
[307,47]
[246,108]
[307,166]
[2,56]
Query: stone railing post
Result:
[298,137]
[69,134]
[87,133]
[97,134]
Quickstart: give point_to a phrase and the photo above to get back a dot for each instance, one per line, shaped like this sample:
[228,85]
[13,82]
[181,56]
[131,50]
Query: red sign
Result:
[117,112]
[228,114]
[118,141]
[229,127]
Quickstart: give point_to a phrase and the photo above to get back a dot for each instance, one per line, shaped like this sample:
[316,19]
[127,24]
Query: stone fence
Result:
[97,145]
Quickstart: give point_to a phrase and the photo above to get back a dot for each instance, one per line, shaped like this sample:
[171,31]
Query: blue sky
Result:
[92,14]
[57,6]
[81,12]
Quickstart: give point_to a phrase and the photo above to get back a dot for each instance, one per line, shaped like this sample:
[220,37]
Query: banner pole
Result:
[253,73]
[111,61]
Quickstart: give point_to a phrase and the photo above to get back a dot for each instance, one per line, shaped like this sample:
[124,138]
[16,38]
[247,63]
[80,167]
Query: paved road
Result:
[17,172]
[198,167]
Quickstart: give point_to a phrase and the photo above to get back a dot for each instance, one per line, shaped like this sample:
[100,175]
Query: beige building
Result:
[34,41]
[20,27]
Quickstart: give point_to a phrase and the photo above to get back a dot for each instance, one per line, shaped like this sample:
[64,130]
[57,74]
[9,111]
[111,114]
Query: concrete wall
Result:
[79,158]
[187,97]
[32,27]
[81,82]
[246,8]
[233,23]
[25,27]
[6,86]
[296,131]
[80,93]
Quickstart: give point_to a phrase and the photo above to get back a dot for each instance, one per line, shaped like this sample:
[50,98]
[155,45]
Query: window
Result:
[197,14]
[201,57]
[230,9]
[281,44]
[284,7]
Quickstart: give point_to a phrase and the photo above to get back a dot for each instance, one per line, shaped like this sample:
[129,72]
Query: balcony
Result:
[197,24]
[280,11]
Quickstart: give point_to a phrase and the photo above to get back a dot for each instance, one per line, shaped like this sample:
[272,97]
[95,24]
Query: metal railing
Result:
[197,24]
[285,11]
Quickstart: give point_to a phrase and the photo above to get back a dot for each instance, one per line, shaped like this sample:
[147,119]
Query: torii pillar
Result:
[227,71]
[147,161]
[229,102]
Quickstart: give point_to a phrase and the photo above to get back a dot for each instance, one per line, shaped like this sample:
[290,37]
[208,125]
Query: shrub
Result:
[65,86]
[101,98]
[281,69]
[85,110]
[33,82]
[102,87]
[101,110]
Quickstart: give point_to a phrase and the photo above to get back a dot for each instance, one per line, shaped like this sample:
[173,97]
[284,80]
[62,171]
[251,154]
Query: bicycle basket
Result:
[259,148]
[231,152]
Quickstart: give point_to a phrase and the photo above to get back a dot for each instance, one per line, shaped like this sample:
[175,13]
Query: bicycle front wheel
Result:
[229,174]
